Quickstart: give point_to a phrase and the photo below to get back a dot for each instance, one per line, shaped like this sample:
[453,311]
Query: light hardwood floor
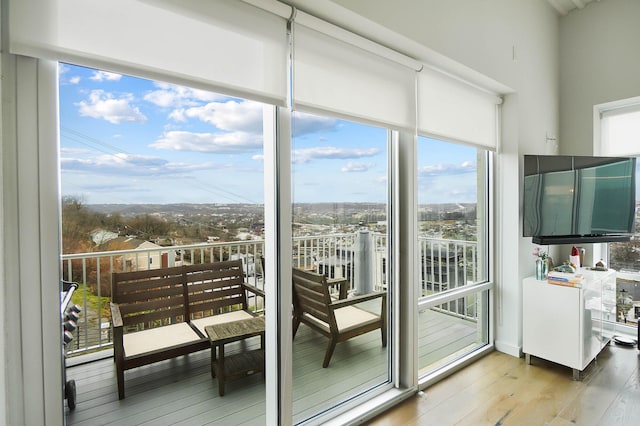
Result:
[504,390]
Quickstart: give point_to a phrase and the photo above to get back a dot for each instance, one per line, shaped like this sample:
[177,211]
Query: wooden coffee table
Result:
[241,364]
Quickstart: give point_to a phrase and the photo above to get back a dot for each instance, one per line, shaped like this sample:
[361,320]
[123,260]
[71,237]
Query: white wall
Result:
[514,43]
[3,362]
[599,62]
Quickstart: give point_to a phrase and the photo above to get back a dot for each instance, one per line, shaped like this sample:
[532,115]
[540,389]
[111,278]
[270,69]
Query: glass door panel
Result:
[452,220]
[340,238]
[156,175]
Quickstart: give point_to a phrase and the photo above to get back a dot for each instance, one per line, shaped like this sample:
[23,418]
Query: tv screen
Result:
[578,199]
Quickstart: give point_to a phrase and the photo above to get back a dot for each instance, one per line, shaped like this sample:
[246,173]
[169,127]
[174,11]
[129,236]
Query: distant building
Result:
[101,236]
[143,255]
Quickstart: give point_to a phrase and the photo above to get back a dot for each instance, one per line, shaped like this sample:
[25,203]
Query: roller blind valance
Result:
[228,46]
[349,76]
[621,132]
[242,49]
[454,110]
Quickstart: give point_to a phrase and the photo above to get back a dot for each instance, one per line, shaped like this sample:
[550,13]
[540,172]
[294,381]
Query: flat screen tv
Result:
[570,199]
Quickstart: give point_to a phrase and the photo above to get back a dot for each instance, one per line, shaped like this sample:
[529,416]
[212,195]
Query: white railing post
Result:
[363,271]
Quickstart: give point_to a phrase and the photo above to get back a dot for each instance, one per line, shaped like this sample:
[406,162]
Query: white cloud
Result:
[303,124]
[63,70]
[330,152]
[105,76]
[172,95]
[104,106]
[129,165]
[161,98]
[232,142]
[74,151]
[356,167]
[178,115]
[447,169]
[244,116]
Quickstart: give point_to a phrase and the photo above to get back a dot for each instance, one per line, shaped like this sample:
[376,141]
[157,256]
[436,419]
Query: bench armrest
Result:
[253,289]
[116,316]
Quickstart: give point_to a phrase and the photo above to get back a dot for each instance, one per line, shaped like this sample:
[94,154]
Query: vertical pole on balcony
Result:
[362,263]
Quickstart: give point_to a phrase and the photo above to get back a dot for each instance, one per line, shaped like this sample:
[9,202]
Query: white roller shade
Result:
[451,109]
[331,73]
[227,45]
[621,132]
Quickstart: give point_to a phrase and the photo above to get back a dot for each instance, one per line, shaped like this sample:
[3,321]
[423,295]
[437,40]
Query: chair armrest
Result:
[116,316]
[253,289]
[337,304]
[342,286]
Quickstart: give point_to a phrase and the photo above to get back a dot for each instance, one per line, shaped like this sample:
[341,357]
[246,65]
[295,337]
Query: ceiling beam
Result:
[579,4]
[559,6]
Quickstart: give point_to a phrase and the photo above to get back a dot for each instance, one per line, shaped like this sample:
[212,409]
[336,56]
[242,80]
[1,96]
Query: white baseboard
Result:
[509,349]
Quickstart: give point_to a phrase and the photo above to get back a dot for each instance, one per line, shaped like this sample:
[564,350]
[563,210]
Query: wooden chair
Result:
[339,320]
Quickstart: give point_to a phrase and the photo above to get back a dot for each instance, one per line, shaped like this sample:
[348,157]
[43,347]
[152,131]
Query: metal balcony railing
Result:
[359,257]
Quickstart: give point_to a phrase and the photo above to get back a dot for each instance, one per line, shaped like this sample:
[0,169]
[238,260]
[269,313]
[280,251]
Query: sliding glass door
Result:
[156,175]
[340,236]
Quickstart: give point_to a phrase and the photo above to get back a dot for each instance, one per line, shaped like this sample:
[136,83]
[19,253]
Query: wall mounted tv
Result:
[574,199]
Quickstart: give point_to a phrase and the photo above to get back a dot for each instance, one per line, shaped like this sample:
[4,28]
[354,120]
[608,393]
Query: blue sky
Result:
[130,140]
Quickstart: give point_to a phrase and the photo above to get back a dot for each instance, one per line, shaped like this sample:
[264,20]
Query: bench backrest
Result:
[215,288]
[311,296]
[164,296]
[150,298]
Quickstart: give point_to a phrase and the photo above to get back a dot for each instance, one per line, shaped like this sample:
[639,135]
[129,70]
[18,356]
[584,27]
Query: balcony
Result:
[182,388]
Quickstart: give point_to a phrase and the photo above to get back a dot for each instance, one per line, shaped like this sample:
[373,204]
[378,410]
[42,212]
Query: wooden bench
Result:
[162,313]
[339,320]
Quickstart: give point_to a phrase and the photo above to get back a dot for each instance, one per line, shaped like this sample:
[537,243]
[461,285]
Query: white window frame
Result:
[601,251]
[487,286]
[30,154]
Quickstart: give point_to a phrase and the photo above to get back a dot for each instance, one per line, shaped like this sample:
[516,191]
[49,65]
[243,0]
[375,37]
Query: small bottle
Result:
[574,259]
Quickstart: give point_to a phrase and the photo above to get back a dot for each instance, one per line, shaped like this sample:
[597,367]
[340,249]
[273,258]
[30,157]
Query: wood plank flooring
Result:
[503,390]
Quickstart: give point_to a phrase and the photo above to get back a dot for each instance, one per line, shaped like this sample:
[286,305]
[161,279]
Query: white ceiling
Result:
[565,6]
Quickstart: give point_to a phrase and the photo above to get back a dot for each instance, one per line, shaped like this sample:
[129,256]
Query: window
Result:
[155,175]
[452,220]
[340,231]
[619,132]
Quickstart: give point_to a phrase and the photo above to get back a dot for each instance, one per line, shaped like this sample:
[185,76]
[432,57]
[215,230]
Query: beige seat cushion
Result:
[141,342]
[346,318]
[219,319]
[350,317]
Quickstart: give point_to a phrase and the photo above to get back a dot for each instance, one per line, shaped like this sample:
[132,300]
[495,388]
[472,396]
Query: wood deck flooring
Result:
[181,390]
[503,390]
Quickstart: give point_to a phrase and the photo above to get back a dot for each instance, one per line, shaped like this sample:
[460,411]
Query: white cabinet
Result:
[568,325]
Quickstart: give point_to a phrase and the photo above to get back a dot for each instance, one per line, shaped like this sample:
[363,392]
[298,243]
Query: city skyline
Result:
[127,140]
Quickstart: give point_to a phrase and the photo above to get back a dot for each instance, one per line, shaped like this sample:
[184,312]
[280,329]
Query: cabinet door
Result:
[600,311]
[592,326]
[608,306]
[551,322]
